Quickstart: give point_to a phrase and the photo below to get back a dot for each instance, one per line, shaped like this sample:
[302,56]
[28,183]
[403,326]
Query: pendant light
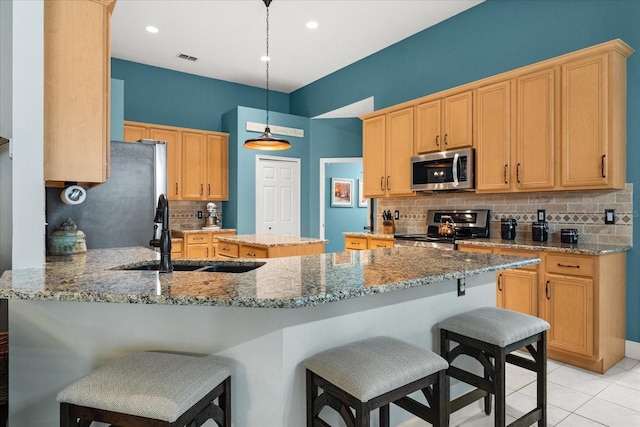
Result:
[267,141]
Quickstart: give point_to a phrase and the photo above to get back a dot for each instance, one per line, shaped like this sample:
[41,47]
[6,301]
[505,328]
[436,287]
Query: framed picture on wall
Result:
[362,201]
[341,193]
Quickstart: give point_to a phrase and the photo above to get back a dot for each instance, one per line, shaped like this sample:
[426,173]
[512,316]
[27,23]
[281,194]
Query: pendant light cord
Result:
[268,60]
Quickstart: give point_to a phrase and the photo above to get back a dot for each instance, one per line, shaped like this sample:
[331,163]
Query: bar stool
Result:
[360,377]
[150,389]
[490,335]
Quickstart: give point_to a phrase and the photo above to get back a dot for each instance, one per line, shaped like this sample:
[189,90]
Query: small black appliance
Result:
[508,228]
[569,235]
[540,231]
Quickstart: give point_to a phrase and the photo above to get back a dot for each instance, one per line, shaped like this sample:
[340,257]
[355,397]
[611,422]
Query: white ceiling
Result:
[228,37]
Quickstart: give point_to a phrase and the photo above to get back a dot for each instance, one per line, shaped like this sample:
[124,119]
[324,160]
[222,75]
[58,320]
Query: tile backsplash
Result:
[183,215]
[582,210]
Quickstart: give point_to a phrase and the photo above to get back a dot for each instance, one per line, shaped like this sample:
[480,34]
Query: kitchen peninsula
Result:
[80,312]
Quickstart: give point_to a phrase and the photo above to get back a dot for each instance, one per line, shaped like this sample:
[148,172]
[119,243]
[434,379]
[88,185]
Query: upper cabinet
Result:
[387,150]
[444,124]
[515,134]
[559,124]
[197,160]
[593,120]
[77,76]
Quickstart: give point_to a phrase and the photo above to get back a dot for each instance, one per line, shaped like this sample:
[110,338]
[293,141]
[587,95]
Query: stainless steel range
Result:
[446,227]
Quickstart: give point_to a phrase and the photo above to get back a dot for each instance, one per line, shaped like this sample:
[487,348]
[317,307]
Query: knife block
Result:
[388,227]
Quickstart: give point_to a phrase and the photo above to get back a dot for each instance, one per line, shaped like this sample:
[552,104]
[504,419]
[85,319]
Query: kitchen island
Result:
[268,246]
[82,311]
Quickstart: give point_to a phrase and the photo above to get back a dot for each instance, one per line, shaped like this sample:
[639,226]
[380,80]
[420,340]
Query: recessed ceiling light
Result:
[152,29]
[312,25]
[265,58]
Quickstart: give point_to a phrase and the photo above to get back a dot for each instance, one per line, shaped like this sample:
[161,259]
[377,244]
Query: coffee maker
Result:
[508,228]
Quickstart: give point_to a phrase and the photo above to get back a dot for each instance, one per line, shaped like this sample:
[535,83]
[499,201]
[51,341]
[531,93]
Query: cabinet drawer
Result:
[214,237]
[380,243]
[521,253]
[253,252]
[198,238]
[571,265]
[477,249]
[228,249]
[355,242]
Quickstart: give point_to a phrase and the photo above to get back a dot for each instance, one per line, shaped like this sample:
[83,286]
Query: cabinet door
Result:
[379,243]
[584,124]
[457,121]
[398,152]
[196,251]
[428,120]
[535,131]
[194,160]
[517,290]
[355,243]
[174,155]
[373,156]
[133,133]
[569,311]
[217,168]
[76,91]
[493,138]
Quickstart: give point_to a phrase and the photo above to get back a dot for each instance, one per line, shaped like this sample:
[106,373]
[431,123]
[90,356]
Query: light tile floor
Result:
[575,397]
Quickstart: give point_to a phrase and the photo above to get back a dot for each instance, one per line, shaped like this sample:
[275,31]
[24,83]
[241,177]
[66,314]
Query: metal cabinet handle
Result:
[500,282]
[250,254]
[446,137]
[518,173]
[437,140]
[208,189]
[176,188]
[201,189]
[546,290]
[382,183]
[388,179]
[568,265]
[602,165]
[506,167]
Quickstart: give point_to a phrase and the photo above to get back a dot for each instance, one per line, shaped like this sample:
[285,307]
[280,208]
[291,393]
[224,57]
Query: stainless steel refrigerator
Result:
[120,212]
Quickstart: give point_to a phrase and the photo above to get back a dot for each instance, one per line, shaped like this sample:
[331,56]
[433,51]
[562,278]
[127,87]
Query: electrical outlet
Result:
[199,214]
[396,215]
[542,215]
[609,216]
[462,285]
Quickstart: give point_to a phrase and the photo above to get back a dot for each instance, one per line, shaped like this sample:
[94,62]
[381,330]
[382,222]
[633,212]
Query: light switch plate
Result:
[609,216]
[396,215]
[542,215]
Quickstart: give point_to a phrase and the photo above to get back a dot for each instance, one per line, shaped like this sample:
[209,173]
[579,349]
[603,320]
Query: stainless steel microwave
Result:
[446,170]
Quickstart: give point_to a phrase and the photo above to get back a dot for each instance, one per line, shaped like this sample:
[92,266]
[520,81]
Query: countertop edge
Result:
[584,249]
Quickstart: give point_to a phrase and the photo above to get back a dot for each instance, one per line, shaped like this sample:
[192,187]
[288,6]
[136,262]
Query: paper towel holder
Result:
[73,194]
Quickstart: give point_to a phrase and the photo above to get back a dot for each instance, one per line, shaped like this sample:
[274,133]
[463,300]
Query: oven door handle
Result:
[456,159]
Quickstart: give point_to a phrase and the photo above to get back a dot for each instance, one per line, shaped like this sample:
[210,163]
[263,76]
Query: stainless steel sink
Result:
[196,267]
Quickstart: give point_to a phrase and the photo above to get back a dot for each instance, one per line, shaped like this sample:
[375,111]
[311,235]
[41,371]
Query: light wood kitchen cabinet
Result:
[197,160]
[358,243]
[517,289]
[176,248]
[77,80]
[203,245]
[246,250]
[444,124]
[387,150]
[515,134]
[593,121]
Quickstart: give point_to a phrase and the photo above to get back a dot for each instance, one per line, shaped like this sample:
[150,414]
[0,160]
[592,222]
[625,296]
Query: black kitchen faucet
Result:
[164,243]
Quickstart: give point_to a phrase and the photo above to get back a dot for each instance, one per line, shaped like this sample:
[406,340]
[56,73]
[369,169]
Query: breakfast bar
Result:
[79,312]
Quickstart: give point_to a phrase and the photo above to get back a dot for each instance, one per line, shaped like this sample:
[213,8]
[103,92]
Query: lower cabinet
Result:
[582,297]
[202,245]
[358,243]
[245,250]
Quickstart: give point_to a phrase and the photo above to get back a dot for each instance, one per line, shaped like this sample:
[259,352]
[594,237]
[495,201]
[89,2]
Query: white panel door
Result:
[278,196]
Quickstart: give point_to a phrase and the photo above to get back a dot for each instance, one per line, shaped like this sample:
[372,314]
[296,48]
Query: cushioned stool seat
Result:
[490,335]
[151,389]
[370,374]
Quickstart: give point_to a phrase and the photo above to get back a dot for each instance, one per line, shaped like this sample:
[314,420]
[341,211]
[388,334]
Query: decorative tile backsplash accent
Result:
[183,215]
[582,210]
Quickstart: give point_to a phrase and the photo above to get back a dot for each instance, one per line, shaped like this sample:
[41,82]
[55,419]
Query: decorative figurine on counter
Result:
[67,239]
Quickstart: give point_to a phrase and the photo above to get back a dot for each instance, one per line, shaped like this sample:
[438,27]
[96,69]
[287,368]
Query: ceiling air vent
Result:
[187,57]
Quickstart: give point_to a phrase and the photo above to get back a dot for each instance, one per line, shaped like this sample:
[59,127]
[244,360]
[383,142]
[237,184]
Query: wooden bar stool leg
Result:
[541,364]
[312,395]
[384,416]
[487,398]
[500,388]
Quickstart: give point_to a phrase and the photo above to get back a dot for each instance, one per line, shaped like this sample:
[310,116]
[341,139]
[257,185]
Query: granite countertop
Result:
[577,248]
[289,282]
[270,240]
[366,234]
[181,233]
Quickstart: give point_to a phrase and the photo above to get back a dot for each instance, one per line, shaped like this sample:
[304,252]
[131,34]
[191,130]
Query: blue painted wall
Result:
[158,95]
[340,219]
[488,39]
[117,110]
